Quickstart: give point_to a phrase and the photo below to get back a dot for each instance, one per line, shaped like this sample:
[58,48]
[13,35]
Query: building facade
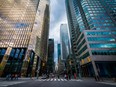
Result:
[92,26]
[50,61]
[60,62]
[21,33]
[64,40]
[59,51]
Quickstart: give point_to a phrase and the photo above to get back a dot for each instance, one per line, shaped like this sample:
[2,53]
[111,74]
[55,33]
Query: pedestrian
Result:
[75,76]
[58,76]
[65,76]
[69,76]
[8,77]
[16,76]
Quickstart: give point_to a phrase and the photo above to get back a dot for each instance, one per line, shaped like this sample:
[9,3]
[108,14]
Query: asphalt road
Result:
[61,83]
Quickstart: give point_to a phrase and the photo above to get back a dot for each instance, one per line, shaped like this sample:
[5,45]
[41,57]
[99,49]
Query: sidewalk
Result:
[109,81]
[19,79]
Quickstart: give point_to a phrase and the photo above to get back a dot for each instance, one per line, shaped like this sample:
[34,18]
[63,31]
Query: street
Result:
[55,82]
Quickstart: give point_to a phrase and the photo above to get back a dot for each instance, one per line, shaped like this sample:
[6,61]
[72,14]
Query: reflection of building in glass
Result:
[50,61]
[92,25]
[59,51]
[60,62]
[64,40]
[21,27]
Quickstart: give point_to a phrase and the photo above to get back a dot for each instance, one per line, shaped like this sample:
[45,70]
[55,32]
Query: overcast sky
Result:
[57,17]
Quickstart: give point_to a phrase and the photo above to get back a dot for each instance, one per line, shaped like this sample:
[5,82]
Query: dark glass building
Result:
[92,26]
[59,51]
[50,60]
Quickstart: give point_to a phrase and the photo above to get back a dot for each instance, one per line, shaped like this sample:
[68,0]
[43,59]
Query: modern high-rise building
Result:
[60,62]
[22,26]
[64,40]
[50,61]
[59,51]
[92,26]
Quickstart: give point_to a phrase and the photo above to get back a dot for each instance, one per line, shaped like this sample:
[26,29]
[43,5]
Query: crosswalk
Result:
[56,79]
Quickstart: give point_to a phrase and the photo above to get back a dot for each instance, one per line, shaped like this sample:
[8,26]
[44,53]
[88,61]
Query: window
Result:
[104,52]
[103,45]
[12,52]
[100,39]
[17,53]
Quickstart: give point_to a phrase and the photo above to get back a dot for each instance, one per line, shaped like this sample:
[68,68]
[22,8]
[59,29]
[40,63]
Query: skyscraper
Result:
[59,51]
[21,29]
[64,39]
[50,60]
[92,26]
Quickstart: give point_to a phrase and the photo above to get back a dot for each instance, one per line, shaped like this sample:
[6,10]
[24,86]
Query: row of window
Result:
[17,53]
[81,37]
[101,33]
[82,50]
[101,39]
[81,44]
[103,45]
[15,45]
[85,55]
[104,52]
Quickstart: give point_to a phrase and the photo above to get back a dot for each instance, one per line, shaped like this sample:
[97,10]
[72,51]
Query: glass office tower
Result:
[50,60]
[92,25]
[59,51]
[64,39]
[17,24]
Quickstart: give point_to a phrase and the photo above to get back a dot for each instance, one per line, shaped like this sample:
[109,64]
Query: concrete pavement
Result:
[55,82]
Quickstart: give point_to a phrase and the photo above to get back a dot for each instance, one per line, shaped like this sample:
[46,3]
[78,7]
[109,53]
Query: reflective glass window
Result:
[103,45]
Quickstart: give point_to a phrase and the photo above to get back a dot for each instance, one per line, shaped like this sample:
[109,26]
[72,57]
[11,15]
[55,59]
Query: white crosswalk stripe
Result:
[62,80]
[56,79]
[48,79]
[65,80]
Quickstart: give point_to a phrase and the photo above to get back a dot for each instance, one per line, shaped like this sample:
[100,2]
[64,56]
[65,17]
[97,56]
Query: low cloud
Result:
[57,17]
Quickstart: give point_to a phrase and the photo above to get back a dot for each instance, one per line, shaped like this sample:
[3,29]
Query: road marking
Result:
[56,79]
[51,80]
[61,79]
[48,79]
[79,80]
[65,80]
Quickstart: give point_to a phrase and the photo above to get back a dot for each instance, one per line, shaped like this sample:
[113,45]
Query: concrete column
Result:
[95,68]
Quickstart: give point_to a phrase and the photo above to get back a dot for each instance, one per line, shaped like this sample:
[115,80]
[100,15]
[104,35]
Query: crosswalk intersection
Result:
[56,79]
[8,83]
